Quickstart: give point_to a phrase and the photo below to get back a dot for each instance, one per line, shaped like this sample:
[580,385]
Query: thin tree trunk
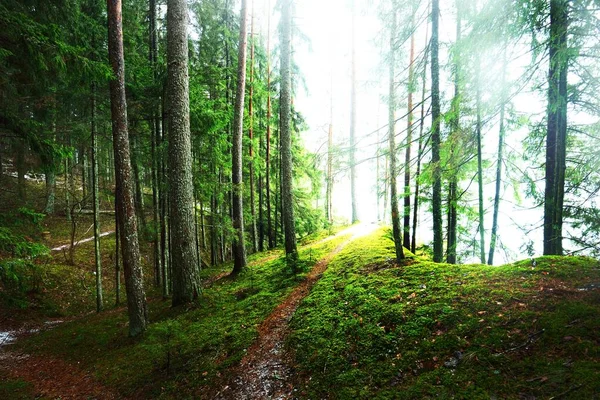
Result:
[455,140]
[50,174]
[153,56]
[251,137]
[392,142]
[239,246]
[21,169]
[329,190]
[136,298]
[286,136]
[96,205]
[185,278]
[268,139]
[67,189]
[117,254]
[438,237]
[480,166]
[139,191]
[409,131]
[413,244]
[353,121]
[499,163]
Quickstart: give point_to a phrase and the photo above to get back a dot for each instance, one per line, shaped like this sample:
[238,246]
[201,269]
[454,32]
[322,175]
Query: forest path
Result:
[49,377]
[266,369]
[68,245]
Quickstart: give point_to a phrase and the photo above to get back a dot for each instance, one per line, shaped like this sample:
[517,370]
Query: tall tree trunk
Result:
[153,56]
[96,205]
[556,139]
[139,191]
[117,254]
[438,237]
[251,137]
[68,188]
[329,189]
[392,142]
[185,278]
[239,246]
[413,244]
[136,298]
[480,166]
[409,132]
[455,140]
[286,136]
[499,163]
[353,121]
[270,231]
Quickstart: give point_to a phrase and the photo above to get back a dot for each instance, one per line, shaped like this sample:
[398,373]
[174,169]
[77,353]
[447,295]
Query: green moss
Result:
[373,329]
[15,389]
[183,349]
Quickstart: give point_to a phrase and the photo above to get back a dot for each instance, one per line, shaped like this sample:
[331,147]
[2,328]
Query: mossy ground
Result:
[373,329]
[187,349]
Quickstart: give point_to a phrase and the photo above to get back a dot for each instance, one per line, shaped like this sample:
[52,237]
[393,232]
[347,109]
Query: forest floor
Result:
[351,325]
[265,371]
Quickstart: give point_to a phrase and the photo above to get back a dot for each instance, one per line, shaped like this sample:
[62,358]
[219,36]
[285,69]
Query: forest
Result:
[299,199]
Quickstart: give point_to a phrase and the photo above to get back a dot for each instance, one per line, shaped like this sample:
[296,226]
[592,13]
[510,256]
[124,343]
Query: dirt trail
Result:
[51,378]
[265,371]
[67,246]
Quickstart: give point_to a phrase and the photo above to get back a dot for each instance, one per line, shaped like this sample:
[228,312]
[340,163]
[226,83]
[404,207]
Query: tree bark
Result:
[392,142]
[455,133]
[286,136]
[96,205]
[556,138]
[409,132]
[136,298]
[185,278]
[239,246]
[480,166]
[413,244]
[499,163]
[270,232]
[21,168]
[251,137]
[438,237]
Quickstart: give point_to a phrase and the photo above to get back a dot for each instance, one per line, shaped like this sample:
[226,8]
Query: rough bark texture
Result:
[239,246]
[392,149]
[186,282]
[136,298]
[287,199]
[438,237]
[556,138]
[353,122]
[96,205]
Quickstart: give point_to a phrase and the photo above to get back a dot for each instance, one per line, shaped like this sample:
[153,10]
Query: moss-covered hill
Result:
[372,329]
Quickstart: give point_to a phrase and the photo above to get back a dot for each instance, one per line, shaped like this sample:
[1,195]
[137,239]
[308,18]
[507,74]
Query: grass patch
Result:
[185,349]
[372,329]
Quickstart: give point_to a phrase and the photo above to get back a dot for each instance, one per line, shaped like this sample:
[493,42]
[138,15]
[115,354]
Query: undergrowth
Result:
[373,329]
[184,349]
